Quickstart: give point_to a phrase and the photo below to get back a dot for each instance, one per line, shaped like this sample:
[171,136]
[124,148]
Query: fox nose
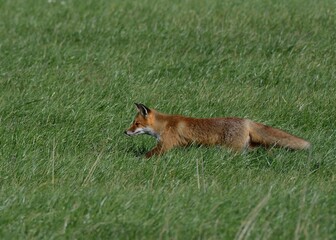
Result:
[125,132]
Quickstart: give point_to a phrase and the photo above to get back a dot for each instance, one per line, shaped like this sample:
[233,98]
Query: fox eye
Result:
[137,124]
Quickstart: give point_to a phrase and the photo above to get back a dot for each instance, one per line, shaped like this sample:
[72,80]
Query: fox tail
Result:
[261,134]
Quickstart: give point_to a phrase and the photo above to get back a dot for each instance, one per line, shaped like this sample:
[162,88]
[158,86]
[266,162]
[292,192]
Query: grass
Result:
[69,74]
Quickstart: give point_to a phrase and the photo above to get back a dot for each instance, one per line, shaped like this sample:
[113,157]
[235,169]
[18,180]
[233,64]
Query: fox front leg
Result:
[157,150]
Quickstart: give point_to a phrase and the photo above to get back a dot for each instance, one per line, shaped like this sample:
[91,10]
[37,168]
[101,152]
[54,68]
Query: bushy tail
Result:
[267,136]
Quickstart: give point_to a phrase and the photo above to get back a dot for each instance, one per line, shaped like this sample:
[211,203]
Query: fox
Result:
[237,134]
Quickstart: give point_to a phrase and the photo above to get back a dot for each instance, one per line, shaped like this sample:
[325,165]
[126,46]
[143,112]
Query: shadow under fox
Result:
[238,134]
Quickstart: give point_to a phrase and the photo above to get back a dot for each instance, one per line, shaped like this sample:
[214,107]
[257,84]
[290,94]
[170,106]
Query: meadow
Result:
[70,72]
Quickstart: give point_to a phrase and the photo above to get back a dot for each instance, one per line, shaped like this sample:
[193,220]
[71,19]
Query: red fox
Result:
[238,134]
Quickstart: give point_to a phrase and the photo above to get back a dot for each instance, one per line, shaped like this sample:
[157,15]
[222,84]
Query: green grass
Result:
[69,74]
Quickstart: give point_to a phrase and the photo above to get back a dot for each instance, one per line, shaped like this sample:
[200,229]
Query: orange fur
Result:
[238,134]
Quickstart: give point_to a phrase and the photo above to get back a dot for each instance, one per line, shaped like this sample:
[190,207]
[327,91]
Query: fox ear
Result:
[142,109]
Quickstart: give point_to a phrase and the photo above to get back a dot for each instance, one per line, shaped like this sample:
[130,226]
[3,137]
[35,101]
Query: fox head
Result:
[142,123]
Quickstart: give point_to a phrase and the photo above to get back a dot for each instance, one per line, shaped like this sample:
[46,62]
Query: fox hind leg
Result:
[240,144]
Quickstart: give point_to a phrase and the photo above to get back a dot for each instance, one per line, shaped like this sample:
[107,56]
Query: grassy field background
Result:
[70,72]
